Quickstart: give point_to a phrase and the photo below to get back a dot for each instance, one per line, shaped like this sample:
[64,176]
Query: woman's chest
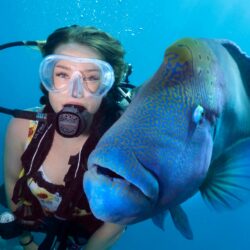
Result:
[57,163]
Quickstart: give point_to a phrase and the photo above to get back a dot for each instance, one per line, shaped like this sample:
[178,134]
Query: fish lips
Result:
[118,187]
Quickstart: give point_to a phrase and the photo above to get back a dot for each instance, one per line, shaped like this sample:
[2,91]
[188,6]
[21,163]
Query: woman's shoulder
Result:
[17,129]
[20,130]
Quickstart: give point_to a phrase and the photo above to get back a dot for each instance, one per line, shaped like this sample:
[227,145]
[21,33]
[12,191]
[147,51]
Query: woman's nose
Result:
[76,85]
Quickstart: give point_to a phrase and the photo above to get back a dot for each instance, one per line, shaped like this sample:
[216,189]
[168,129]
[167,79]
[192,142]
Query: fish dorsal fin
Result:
[242,60]
[227,184]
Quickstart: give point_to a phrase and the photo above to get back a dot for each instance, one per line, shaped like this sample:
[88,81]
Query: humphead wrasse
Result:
[186,130]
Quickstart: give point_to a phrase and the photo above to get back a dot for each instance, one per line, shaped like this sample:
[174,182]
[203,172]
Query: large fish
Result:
[186,130]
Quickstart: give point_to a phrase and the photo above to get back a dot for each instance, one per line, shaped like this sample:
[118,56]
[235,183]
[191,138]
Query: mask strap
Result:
[36,43]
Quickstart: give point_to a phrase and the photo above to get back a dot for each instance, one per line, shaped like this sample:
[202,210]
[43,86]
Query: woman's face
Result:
[59,99]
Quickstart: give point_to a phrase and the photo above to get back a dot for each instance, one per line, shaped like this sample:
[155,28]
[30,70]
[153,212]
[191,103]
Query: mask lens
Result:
[62,74]
[92,78]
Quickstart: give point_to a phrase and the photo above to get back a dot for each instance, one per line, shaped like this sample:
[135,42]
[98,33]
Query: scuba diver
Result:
[85,86]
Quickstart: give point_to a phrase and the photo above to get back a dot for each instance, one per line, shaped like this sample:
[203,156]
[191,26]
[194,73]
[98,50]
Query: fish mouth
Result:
[106,173]
[116,178]
[117,193]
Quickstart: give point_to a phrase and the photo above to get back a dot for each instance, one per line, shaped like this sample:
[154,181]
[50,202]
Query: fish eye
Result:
[198,114]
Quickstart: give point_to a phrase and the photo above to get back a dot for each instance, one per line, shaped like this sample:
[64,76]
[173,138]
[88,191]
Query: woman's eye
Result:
[198,114]
[92,78]
[62,75]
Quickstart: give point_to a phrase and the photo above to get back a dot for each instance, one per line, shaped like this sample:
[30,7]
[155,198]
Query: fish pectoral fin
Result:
[227,184]
[179,218]
[181,222]
[159,219]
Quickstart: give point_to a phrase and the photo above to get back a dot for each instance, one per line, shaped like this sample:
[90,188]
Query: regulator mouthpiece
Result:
[72,121]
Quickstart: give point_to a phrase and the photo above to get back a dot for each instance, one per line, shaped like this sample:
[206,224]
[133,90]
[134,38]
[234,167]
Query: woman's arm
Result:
[105,237]
[14,147]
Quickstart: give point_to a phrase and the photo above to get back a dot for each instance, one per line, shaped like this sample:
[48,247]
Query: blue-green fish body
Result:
[187,129]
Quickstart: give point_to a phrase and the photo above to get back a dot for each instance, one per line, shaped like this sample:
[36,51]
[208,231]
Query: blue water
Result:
[145,28]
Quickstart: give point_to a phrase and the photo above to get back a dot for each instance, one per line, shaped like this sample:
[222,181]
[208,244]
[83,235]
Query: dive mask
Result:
[78,76]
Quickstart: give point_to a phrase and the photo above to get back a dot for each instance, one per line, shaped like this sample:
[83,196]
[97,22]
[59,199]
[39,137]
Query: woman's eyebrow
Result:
[61,66]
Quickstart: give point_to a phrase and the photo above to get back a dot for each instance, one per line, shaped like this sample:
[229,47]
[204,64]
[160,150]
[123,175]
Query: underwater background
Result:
[145,28]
